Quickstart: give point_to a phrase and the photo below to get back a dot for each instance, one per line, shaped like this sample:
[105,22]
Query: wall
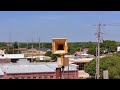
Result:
[5,60]
[47,75]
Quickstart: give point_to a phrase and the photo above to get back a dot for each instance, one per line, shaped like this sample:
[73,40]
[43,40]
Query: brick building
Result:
[42,70]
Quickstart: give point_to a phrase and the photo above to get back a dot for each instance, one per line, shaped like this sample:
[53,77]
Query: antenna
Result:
[39,45]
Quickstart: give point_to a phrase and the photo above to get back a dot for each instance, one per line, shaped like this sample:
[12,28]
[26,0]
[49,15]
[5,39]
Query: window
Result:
[22,77]
[28,77]
[40,77]
[51,77]
[16,77]
[81,66]
[34,77]
[45,77]
[10,78]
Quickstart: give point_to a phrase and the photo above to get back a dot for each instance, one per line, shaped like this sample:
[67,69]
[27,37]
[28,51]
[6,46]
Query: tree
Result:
[53,56]
[15,45]
[48,53]
[92,51]
[110,45]
[110,63]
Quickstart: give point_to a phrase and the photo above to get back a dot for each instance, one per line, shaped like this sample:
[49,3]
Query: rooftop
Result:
[1,72]
[35,67]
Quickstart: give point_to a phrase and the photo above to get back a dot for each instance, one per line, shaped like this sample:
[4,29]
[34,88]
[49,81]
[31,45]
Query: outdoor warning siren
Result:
[59,46]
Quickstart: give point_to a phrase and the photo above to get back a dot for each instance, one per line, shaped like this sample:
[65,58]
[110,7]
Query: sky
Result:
[77,26]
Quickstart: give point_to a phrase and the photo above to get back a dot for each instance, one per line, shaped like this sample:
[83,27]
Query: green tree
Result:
[48,53]
[53,56]
[110,45]
[111,63]
[15,45]
[92,51]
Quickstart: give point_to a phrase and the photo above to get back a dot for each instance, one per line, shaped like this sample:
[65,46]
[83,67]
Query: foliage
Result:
[41,60]
[48,53]
[53,56]
[108,45]
[110,63]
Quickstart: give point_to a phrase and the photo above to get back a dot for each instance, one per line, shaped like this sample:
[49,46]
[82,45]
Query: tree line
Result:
[106,46]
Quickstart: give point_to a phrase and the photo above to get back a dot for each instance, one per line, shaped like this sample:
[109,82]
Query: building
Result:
[81,61]
[118,49]
[22,50]
[2,52]
[43,58]
[45,49]
[1,74]
[85,50]
[43,70]
[40,57]
[7,58]
[82,54]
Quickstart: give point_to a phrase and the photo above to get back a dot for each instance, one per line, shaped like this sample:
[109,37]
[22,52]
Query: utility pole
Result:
[13,47]
[96,63]
[18,48]
[68,68]
[32,50]
[98,52]
[80,52]
[98,48]
[27,48]
[9,42]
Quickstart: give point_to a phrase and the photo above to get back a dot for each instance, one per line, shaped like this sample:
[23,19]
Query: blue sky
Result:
[74,25]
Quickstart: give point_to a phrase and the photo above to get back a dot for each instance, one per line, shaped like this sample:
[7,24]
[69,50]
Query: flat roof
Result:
[81,59]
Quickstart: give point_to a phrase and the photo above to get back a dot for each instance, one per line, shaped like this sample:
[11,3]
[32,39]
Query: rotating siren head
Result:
[59,46]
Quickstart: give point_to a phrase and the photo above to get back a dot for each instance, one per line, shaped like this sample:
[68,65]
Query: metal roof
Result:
[27,69]
[1,72]
[32,67]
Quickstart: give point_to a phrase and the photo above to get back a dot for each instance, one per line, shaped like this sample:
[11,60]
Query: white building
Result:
[2,52]
[41,57]
[11,56]
[118,49]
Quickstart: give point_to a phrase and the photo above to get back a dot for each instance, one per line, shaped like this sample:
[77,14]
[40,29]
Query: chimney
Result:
[58,73]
